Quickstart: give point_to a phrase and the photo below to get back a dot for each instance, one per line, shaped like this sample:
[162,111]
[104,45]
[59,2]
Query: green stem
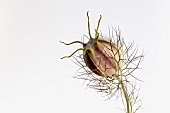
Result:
[128,102]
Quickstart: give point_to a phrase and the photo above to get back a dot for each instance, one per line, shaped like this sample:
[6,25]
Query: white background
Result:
[33,78]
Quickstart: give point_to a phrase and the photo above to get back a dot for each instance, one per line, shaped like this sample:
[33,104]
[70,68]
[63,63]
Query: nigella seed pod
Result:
[101,57]
[108,66]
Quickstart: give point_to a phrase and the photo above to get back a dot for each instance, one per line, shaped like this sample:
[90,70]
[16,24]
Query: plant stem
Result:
[128,102]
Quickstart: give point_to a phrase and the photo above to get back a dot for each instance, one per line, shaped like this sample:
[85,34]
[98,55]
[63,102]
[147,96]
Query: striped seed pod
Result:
[101,56]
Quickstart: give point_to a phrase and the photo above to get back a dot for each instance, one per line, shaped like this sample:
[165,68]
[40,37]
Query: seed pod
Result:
[112,62]
[101,57]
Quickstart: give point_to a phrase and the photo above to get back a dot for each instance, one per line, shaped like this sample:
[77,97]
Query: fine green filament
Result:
[89,25]
[72,42]
[97,34]
[72,53]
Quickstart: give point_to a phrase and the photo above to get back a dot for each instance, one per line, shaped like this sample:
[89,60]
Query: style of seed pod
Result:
[109,65]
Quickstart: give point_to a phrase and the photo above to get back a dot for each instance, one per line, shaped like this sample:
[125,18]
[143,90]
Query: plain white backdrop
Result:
[33,78]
